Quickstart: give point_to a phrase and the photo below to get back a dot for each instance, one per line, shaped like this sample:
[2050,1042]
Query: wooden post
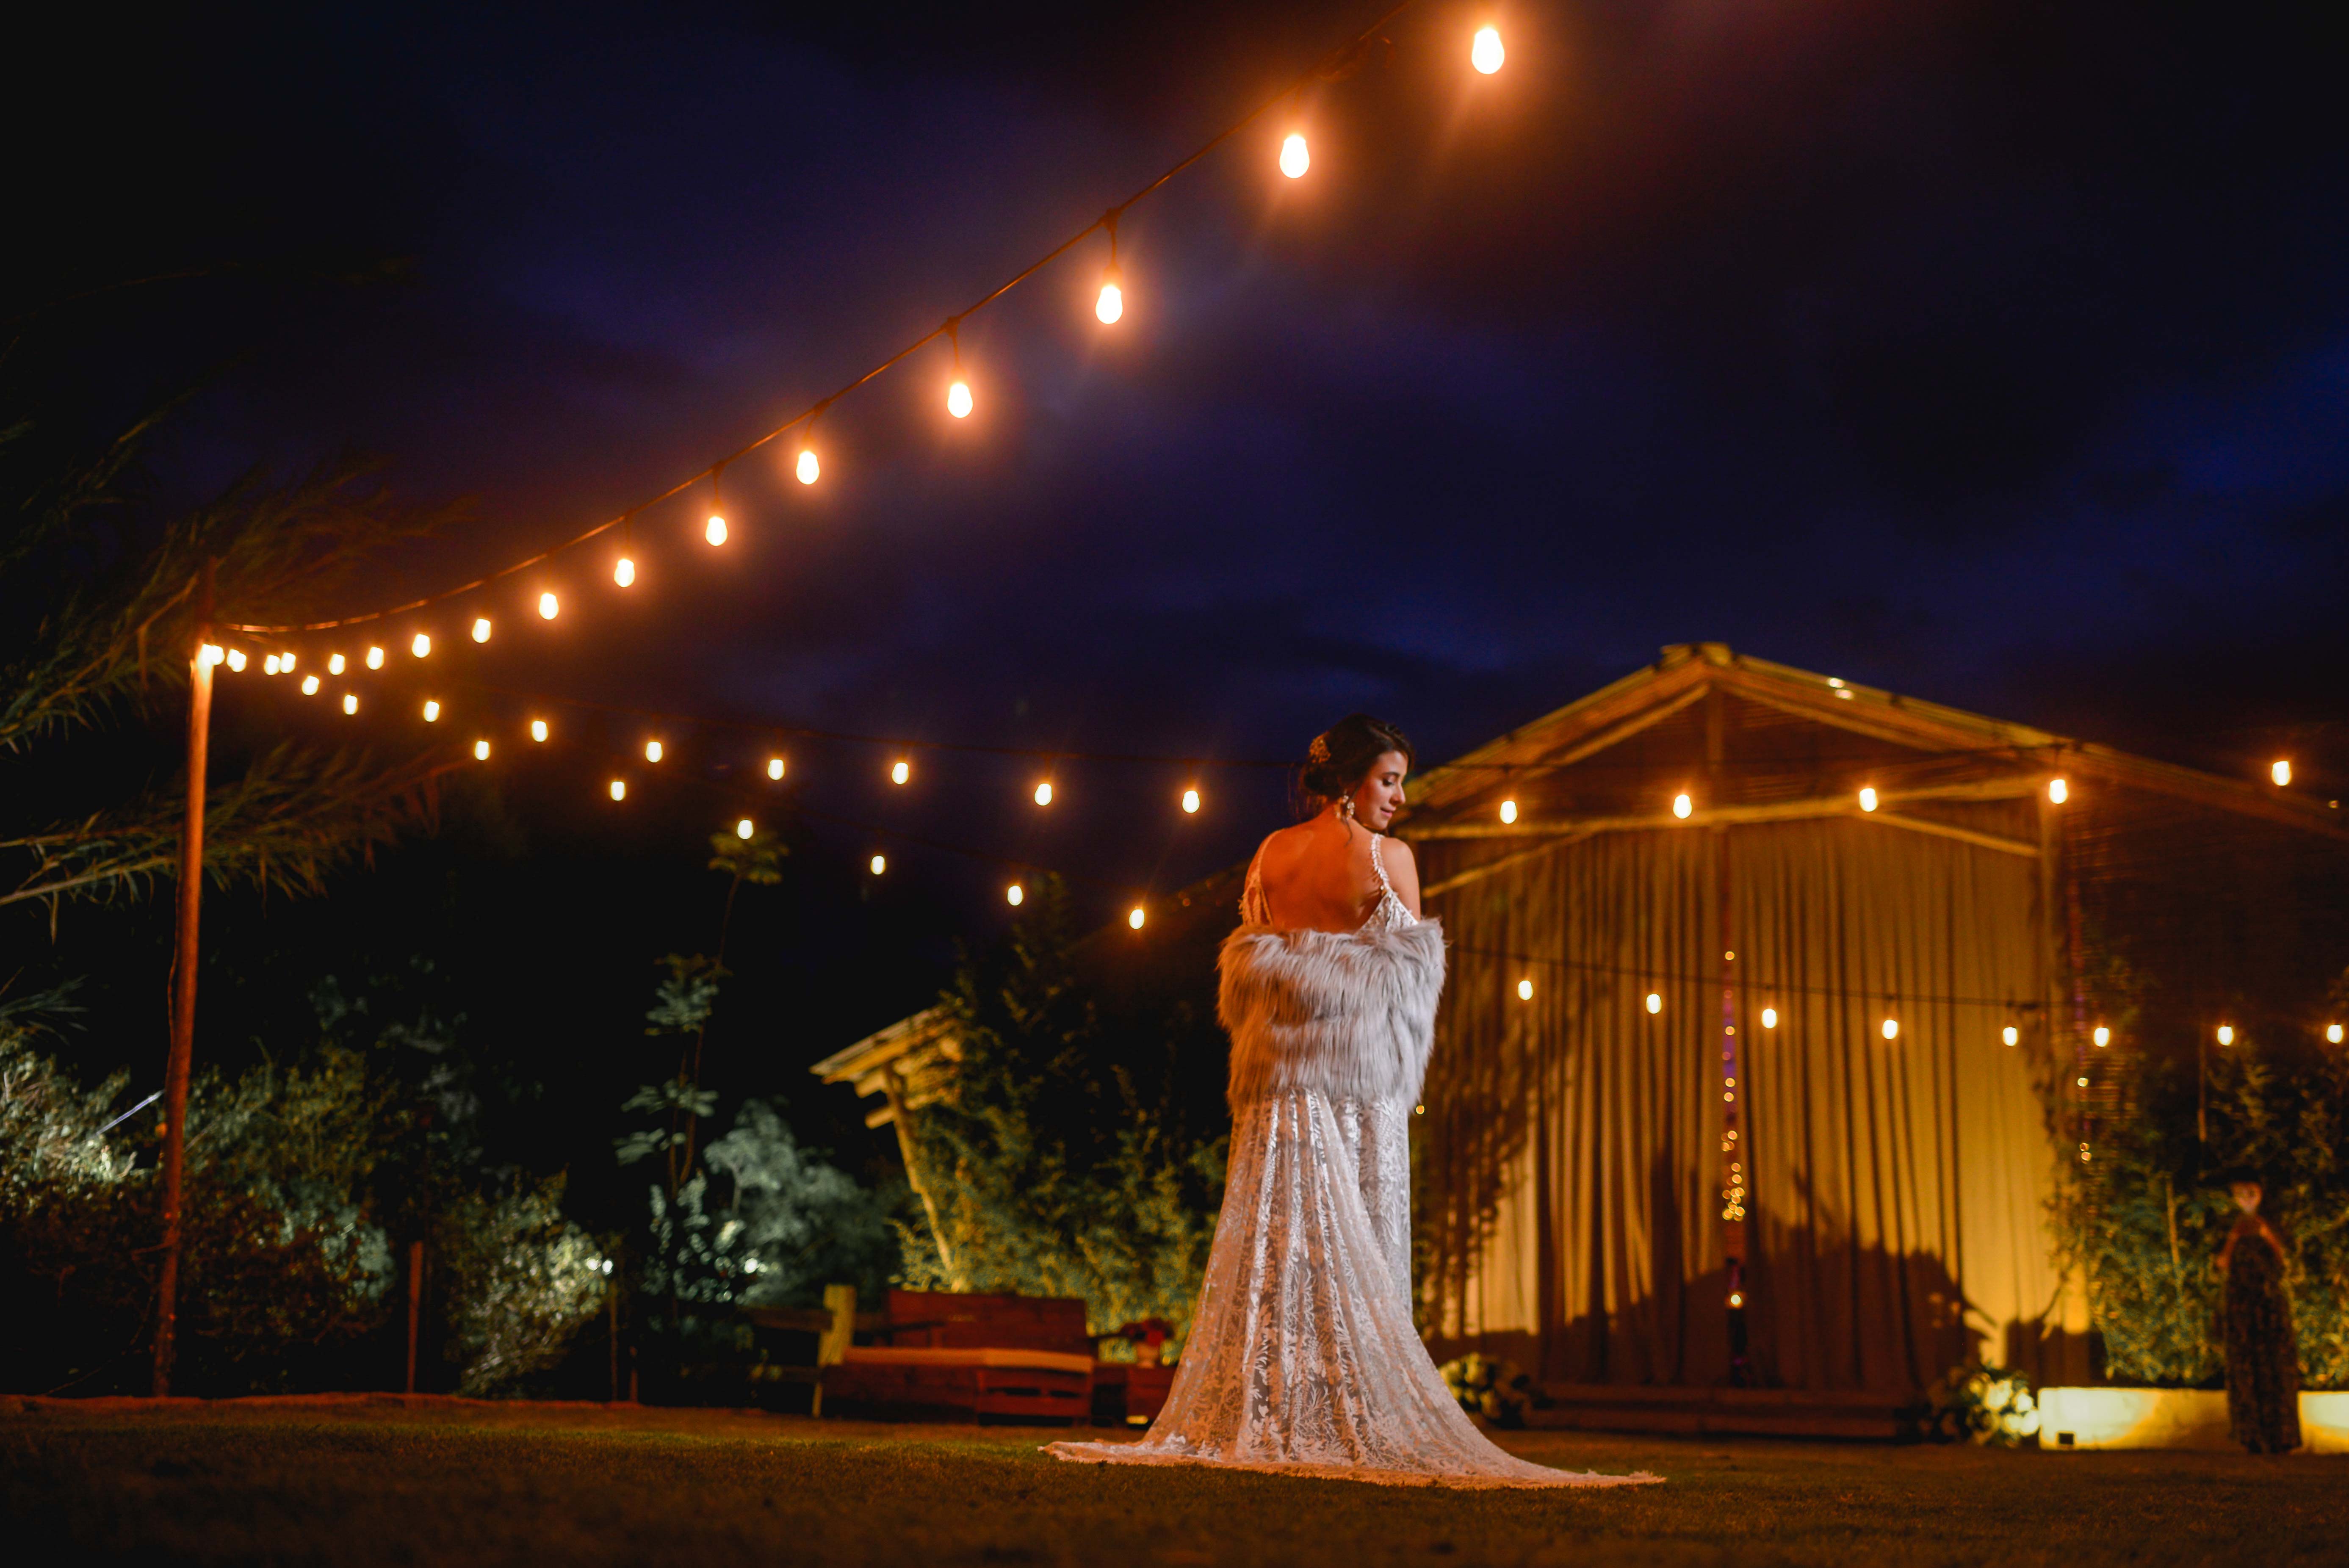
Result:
[612,1309]
[184,986]
[415,1305]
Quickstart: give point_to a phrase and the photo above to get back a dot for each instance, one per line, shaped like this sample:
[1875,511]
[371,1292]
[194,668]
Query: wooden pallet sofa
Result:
[938,1356]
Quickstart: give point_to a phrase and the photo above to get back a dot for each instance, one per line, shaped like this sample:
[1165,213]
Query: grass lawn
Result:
[462,1484]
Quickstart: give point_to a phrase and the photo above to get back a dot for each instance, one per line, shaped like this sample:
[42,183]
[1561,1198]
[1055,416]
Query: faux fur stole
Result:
[1349,1015]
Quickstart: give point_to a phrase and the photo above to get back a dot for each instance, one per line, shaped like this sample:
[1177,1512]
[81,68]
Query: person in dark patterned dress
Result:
[2262,1363]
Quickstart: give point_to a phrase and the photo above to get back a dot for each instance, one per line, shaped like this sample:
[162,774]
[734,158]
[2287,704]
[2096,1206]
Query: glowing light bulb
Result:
[1655,1003]
[652,751]
[743,828]
[1134,918]
[1736,1297]
[808,469]
[2010,1035]
[309,685]
[2333,1032]
[774,767]
[538,729]
[375,658]
[2058,791]
[1891,1028]
[1682,805]
[900,771]
[285,664]
[1524,990]
[431,712]
[2281,772]
[1485,51]
[1294,160]
[1868,800]
[269,665]
[879,863]
[422,646]
[481,626]
[1191,802]
[333,663]
[1015,896]
[212,654]
[1508,811]
[1769,1017]
[547,609]
[619,788]
[958,399]
[1044,793]
[2226,1034]
[1112,303]
[480,751]
[623,571]
[716,531]
[350,701]
[236,658]
[2103,1035]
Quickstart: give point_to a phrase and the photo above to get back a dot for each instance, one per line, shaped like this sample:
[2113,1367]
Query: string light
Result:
[1736,1297]
[2333,1032]
[715,530]
[619,788]
[808,469]
[1655,1002]
[879,863]
[2281,772]
[900,770]
[623,571]
[1294,159]
[481,628]
[333,663]
[1044,793]
[743,829]
[213,653]
[236,659]
[652,751]
[1015,896]
[1485,51]
[350,701]
[1891,1028]
[1134,918]
[422,646]
[1683,806]
[2103,1036]
[2226,1034]
[2012,1036]
[480,751]
[309,685]
[269,665]
[285,664]
[1524,990]
[1769,1017]
[1191,802]
[2058,791]
[548,608]
[775,768]
[375,658]
[1867,799]
[538,730]
[1508,811]
[1109,304]
[431,712]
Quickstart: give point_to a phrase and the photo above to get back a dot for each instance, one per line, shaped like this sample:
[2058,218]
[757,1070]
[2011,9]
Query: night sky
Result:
[1991,353]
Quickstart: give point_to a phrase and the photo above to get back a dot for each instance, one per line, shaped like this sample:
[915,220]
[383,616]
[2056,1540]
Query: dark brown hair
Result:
[1341,757]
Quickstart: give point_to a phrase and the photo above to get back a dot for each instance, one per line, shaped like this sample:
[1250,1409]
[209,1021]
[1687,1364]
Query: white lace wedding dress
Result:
[1303,1356]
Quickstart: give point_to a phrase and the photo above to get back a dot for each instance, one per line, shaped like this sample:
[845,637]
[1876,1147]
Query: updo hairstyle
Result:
[1341,757]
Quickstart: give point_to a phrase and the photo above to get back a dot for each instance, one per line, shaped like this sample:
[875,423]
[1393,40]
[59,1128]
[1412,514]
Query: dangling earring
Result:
[1346,807]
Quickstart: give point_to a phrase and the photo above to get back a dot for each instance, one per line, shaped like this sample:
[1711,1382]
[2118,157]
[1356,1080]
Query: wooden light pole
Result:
[183,982]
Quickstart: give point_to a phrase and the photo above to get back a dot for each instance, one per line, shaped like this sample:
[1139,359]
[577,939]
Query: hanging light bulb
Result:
[309,685]
[236,659]
[1044,793]
[623,571]
[2281,772]
[1135,917]
[480,628]
[715,531]
[2226,1034]
[1891,1028]
[480,751]
[285,664]
[212,654]
[958,388]
[548,608]
[652,751]
[2010,1035]
[900,771]
[775,768]
[1655,1003]
[1111,303]
[269,665]
[1683,806]
[422,646]
[375,658]
[1015,896]
[2333,1032]
[1485,51]
[2058,791]
[1769,1017]
[538,729]
[350,701]
[1508,811]
[431,712]
[879,863]
[1294,160]
[808,468]
[1524,990]
[333,663]
[619,788]
[1867,799]
[2103,1035]
[1191,802]
[743,829]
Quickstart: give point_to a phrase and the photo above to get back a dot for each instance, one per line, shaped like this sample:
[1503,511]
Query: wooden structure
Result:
[979,1356]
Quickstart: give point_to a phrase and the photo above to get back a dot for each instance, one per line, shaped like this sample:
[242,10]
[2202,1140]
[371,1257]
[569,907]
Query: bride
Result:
[1302,1356]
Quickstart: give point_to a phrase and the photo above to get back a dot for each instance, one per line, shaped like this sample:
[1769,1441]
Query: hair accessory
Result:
[1318,753]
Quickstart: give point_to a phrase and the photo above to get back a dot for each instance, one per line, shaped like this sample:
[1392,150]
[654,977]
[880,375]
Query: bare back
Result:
[1320,876]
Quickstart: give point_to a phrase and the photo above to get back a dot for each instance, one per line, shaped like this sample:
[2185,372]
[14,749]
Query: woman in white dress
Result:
[1302,1356]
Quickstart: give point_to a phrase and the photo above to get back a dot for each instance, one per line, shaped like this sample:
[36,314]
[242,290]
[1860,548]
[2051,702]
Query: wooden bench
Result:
[971,1357]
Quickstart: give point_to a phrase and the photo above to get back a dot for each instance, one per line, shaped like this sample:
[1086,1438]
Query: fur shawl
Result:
[1349,1015]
